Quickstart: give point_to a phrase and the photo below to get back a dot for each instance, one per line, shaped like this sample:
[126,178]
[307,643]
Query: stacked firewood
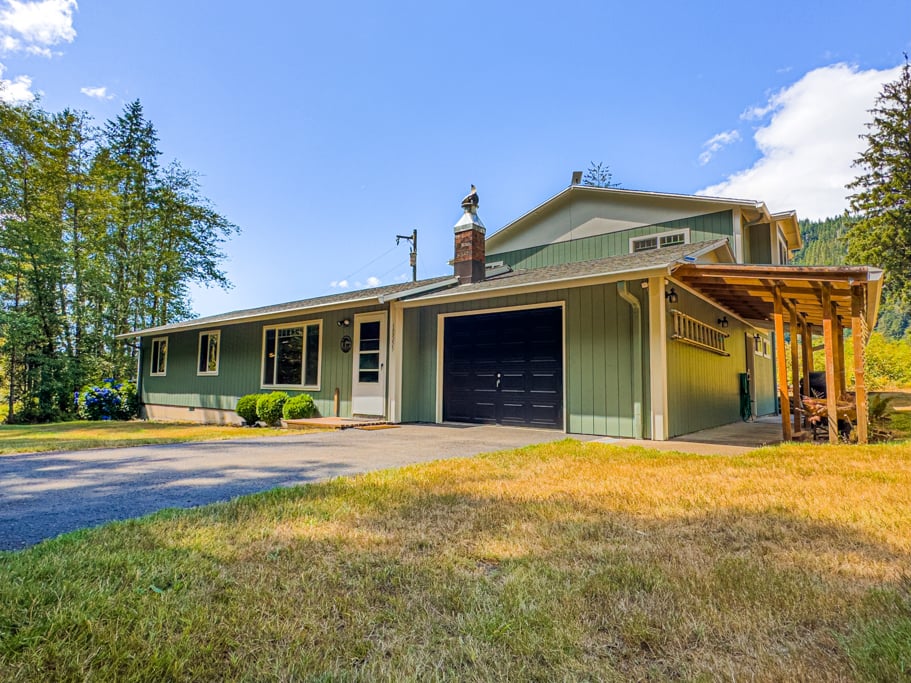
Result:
[817,412]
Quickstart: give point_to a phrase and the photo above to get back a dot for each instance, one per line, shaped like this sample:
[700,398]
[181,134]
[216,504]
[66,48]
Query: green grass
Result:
[564,561]
[66,436]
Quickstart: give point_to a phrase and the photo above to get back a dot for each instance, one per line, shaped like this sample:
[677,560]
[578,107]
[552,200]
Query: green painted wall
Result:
[702,228]
[758,247]
[240,365]
[703,387]
[598,374]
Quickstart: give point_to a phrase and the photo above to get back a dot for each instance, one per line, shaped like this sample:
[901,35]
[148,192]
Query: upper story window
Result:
[159,366]
[783,253]
[208,352]
[659,241]
[291,355]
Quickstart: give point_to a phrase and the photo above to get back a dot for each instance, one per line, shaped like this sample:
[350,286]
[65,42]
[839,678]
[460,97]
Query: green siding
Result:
[759,246]
[710,226]
[703,387]
[598,359]
[240,364]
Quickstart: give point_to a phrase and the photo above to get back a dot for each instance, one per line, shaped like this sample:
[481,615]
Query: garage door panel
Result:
[505,368]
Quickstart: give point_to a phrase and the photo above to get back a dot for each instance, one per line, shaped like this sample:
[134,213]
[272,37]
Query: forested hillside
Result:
[97,237]
[824,244]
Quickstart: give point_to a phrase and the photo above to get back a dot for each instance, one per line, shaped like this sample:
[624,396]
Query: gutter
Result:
[636,307]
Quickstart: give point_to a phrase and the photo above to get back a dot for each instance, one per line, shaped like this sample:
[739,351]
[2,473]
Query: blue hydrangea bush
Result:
[109,400]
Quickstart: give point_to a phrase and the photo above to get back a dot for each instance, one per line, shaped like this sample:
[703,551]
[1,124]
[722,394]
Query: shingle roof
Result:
[642,261]
[360,295]
[611,265]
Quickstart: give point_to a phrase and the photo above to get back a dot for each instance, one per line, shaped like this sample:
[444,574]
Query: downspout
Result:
[139,379]
[636,307]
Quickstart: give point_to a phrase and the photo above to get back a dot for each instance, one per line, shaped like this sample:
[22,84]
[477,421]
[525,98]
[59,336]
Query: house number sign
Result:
[345,344]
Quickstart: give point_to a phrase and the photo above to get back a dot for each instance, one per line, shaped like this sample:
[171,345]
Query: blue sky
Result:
[324,129]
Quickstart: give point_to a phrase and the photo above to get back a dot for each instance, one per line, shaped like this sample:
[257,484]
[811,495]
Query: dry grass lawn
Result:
[72,436]
[565,561]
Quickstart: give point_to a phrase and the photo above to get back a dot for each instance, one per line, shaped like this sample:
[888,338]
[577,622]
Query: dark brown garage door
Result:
[504,368]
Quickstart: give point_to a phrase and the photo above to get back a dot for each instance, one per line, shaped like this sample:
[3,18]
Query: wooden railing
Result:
[696,333]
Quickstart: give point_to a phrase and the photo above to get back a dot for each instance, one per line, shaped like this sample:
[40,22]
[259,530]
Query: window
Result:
[762,346]
[159,367]
[207,354]
[291,355]
[659,241]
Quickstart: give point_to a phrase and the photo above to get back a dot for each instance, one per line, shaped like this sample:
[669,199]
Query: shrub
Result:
[269,406]
[109,400]
[300,406]
[246,408]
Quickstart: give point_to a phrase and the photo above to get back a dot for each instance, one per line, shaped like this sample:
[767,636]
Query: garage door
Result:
[504,368]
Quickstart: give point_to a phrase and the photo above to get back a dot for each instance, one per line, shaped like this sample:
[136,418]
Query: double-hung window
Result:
[208,352]
[291,355]
[159,360]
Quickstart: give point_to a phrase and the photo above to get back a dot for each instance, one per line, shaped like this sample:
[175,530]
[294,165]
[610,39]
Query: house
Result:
[601,311]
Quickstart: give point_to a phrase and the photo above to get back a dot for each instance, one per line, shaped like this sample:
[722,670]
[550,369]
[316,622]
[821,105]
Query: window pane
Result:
[369,376]
[202,361]
[159,356]
[269,360]
[312,355]
[289,356]
[370,332]
[369,361]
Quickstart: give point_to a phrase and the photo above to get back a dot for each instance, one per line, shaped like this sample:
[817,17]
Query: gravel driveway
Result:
[46,494]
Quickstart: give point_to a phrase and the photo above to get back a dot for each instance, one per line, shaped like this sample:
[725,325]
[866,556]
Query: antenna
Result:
[413,256]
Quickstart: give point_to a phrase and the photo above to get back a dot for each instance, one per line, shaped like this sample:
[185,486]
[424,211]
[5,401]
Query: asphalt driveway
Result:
[46,494]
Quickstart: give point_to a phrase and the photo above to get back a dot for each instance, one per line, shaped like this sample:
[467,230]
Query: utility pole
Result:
[413,239]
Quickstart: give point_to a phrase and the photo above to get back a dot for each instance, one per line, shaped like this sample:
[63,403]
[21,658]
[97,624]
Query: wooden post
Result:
[806,342]
[795,367]
[840,340]
[859,338]
[778,316]
[828,340]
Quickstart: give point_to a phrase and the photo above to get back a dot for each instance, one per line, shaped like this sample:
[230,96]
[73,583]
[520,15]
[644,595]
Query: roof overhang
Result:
[787,222]
[750,290]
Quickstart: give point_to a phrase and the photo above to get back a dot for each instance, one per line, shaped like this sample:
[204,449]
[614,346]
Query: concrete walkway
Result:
[46,494]
[736,438]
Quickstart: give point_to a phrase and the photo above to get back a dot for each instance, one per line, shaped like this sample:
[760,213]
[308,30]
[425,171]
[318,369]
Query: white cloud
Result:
[98,93]
[716,143]
[16,90]
[810,142]
[35,26]
[339,284]
[373,281]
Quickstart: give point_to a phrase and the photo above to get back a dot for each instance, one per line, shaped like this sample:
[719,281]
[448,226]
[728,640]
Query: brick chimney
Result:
[469,262]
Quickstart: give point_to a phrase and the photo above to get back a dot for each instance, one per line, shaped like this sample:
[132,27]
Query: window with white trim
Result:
[659,241]
[159,364]
[292,355]
[208,352]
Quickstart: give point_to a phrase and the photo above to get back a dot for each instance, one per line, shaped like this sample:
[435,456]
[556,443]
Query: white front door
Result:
[368,388]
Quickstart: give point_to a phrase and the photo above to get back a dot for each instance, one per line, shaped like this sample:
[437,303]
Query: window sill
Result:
[207,374]
[293,387]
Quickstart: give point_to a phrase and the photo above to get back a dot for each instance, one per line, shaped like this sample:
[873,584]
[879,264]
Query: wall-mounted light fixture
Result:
[723,322]
[345,322]
[757,337]
[671,295]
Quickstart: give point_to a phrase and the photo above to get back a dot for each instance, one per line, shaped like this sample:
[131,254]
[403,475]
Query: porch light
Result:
[723,322]
[345,322]
[671,296]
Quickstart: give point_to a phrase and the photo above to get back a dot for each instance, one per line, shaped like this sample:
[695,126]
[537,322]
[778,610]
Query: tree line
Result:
[97,237]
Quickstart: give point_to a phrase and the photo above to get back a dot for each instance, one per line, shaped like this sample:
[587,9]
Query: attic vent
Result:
[659,241]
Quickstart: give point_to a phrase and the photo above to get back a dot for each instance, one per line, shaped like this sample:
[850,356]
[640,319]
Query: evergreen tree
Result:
[599,175]
[881,201]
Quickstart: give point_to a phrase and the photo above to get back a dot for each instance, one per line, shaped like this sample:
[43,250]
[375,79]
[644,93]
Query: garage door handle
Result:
[498,380]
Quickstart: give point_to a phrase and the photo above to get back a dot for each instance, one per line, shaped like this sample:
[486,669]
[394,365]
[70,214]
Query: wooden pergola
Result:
[801,298]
